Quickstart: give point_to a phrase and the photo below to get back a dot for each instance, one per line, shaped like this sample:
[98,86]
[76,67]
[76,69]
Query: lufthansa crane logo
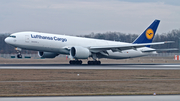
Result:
[149,34]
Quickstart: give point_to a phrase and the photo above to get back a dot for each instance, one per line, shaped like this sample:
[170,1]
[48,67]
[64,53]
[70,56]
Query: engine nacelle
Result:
[79,52]
[47,54]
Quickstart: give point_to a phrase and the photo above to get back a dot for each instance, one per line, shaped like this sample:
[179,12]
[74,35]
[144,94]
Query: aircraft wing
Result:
[123,46]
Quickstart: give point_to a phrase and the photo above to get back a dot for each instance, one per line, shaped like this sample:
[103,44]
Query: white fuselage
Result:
[59,43]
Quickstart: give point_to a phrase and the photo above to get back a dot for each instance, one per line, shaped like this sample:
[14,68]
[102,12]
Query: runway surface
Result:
[96,98]
[103,66]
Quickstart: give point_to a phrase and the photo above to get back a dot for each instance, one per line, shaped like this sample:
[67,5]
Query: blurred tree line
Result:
[173,35]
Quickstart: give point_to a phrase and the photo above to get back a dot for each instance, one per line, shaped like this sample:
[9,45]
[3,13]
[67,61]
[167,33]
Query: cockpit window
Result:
[12,36]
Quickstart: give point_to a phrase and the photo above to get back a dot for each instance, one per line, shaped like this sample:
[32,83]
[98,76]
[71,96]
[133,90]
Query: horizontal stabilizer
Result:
[123,46]
[161,50]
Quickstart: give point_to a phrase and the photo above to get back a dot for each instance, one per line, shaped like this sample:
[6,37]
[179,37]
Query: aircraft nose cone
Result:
[6,40]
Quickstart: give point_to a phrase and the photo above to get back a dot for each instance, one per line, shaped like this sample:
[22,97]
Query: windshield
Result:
[12,36]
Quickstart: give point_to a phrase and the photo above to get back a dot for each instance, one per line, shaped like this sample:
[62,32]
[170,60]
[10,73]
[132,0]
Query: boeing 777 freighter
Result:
[51,45]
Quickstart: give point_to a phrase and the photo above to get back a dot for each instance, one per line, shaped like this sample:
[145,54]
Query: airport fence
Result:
[35,56]
[163,55]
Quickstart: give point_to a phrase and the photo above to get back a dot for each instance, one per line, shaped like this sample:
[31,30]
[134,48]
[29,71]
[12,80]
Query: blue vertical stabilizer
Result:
[148,35]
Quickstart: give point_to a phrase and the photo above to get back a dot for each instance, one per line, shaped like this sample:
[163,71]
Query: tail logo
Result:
[149,34]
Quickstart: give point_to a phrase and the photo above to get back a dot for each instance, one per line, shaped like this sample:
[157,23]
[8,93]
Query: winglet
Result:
[148,35]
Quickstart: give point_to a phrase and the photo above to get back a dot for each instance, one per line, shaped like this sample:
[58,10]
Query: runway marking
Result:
[97,98]
[103,66]
[89,80]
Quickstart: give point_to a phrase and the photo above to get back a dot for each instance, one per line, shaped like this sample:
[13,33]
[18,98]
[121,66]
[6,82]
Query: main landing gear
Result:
[75,62]
[79,62]
[94,62]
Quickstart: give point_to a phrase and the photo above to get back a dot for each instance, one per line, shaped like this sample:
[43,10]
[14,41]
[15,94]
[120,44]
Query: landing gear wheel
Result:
[19,56]
[94,62]
[99,62]
[18,50]
[73,62]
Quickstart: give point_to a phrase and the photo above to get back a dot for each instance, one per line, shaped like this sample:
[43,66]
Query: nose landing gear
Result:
[19,55]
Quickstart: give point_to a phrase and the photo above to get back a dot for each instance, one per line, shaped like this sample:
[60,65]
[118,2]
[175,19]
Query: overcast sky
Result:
[77,17]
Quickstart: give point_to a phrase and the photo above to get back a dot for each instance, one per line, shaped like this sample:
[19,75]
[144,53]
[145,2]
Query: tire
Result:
[94,62]
[19,56]
[75,62]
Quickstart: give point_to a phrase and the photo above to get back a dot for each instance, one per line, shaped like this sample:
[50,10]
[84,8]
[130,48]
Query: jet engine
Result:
[79,52]
[47,54]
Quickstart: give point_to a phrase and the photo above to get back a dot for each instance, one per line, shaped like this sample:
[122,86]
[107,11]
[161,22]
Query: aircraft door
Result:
[27,38]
